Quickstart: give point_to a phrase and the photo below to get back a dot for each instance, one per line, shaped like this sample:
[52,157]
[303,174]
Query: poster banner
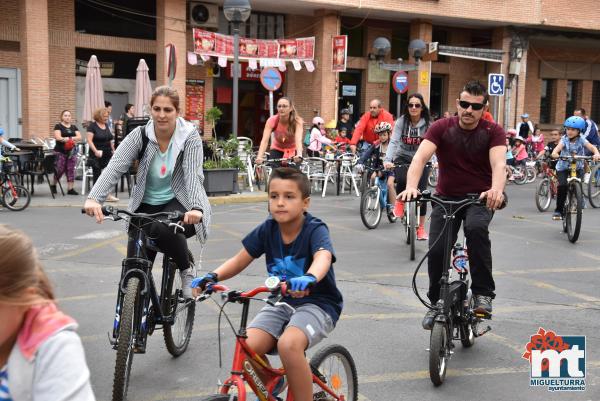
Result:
[208,43]
[340,53]
[194,102]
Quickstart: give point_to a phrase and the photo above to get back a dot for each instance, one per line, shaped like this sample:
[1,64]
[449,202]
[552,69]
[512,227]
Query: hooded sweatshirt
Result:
[405,140]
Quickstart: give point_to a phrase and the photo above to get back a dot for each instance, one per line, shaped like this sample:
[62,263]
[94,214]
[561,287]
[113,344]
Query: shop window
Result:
[122,64]
[595,112]
[400,41]
[572,87]
[356,38]
[120,18]
[546,101]
[441,36]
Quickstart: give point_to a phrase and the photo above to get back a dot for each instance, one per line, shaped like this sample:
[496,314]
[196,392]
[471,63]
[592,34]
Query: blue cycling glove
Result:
[303,282]
[202,282]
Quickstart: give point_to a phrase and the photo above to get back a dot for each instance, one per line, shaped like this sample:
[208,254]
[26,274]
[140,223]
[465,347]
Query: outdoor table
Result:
[17,158]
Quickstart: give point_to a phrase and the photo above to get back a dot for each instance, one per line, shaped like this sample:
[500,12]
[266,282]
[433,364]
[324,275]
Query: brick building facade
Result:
[552,60]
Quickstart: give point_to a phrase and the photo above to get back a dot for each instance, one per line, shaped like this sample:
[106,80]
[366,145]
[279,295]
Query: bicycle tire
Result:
[220,397]
[18,202]
[520,176]
[593,188]
[177,335]
[406,221]
[432,179]
[413,230]
[324,360]
[125,341]
[438,353]
[391,216]
[370,207]
[530,174]
[467,334]
[543,195]
[364,181]
[575,208]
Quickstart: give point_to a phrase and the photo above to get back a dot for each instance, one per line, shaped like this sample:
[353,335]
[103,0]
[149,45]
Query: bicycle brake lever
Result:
[176,227]
[286,305]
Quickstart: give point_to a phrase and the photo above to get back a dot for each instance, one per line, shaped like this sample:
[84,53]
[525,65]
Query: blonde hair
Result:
[20,270]
[166,91]
[97,116]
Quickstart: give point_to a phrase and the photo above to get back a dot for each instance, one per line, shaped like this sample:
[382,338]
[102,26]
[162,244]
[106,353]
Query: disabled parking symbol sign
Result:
[496,84]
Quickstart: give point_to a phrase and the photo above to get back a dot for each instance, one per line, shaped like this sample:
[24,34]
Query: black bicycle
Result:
[455,318]
[573,209]
[140,309]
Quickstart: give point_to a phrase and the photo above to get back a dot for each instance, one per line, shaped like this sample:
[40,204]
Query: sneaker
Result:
[399,209]
[112,198]
[429,319]
[187,276]
[586,178]
[422,234]
[556,216]
[72,192]
[483,305]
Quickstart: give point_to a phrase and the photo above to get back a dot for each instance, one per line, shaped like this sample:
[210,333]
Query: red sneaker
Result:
[399,209]
[422,234]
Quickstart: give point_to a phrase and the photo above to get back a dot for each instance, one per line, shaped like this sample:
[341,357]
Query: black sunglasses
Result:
[414,105]
[475,106]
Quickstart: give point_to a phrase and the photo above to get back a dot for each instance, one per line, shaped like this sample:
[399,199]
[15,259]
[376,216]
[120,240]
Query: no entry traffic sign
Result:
[270,78]
[400,82]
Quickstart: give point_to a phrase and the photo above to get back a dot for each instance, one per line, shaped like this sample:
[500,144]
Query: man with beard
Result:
[471,156]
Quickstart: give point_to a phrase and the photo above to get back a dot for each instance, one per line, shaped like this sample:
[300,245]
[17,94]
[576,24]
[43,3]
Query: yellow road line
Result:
[235,234]
[86,297]
[88,248]
[505,341]
[569,293]
[122,249]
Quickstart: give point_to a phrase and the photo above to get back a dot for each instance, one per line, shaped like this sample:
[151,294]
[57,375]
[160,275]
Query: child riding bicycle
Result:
[570,144]
[297,249]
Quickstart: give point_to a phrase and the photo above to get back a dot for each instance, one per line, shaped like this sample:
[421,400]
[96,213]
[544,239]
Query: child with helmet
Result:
[571,143]
[317,138]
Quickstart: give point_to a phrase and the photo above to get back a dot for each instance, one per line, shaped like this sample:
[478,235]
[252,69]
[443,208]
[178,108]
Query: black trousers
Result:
[173,245]
[99,164]
[476,220]
[400,174]
[561,190]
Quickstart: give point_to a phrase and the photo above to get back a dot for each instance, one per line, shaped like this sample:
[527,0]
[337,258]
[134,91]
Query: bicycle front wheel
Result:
[412,228]
[543,195]
[125,340]
[530,174]
[335,363]
[439,353]
[370,208]
[574,212]
[594,186]
[433,177]
[16,198]
[177,335]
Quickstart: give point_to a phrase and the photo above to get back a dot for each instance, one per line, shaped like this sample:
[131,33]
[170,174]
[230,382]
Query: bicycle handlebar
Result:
[574,157]
[173,217]
[427,196]
[276,287]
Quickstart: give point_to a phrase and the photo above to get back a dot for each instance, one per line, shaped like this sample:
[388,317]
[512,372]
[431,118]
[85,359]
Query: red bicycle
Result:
[333,369]
[546,190]
[13,197]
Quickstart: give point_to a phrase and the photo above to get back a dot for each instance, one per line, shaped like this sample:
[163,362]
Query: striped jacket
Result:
[187,178]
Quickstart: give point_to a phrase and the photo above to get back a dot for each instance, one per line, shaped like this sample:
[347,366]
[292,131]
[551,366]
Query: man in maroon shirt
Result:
[366,125]
[471,156]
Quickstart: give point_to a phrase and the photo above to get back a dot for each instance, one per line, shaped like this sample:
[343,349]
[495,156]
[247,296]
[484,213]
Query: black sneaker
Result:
[428,319]
[72,192]
[483,305]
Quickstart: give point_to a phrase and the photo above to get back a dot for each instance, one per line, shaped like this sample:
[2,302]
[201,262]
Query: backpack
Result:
[306,141]
[145,140]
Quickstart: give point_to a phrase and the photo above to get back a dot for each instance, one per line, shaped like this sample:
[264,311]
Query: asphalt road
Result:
[542,280]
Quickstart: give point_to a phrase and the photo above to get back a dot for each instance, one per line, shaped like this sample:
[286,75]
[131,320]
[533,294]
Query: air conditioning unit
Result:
[203,15]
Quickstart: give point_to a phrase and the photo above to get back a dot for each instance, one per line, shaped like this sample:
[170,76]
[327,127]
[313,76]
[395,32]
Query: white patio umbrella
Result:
[143,90]
[94,94]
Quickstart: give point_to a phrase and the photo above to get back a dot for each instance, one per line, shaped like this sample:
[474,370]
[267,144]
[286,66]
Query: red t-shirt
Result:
[463,155]
[281,139]
[366,126]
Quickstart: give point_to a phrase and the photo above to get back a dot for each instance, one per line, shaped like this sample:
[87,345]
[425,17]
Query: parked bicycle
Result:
[333,370]
[375,200]
[546,189]
[140,309]
[455,318]
[573,209]
[14,197]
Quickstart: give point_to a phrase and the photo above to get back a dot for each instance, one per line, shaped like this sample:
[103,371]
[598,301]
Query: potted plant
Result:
[212,116]
[221,169]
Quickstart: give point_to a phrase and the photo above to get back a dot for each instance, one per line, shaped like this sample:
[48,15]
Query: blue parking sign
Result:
[496,84]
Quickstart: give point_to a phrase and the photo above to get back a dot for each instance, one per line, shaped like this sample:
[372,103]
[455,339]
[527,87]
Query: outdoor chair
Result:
[40,166]
[245,154]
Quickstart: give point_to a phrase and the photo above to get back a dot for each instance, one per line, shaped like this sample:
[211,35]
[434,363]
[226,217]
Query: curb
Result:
[214,200]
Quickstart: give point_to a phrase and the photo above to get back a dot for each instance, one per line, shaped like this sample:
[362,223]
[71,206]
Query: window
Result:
[441,36]
[546,101]
[121,18]
[356,37]
[595,112]
[572,88]
[400,41]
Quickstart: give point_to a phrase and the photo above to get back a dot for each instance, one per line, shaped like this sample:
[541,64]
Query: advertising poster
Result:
[340,52]
[194,102]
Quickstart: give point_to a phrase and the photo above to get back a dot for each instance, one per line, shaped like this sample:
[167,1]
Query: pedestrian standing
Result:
[102,145]
[67,137]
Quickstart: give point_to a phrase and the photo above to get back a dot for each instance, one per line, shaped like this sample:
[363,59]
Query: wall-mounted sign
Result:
[340,49]
[376,74]
[348,90]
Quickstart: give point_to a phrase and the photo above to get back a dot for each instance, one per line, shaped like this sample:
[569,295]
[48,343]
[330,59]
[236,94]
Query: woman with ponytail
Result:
[284,129]
[41,355]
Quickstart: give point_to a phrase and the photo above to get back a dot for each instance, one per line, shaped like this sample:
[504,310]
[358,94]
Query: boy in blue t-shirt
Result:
[570,144]
[297,249]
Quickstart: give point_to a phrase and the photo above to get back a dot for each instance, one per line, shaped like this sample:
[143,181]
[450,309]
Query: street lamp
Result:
[236,12]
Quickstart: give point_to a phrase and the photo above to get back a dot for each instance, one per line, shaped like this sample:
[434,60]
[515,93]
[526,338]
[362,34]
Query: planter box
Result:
[220,181]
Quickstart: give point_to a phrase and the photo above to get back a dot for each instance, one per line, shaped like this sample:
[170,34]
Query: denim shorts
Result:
[314,322]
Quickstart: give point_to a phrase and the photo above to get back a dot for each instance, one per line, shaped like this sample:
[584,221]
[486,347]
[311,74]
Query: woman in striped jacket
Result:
[169,178]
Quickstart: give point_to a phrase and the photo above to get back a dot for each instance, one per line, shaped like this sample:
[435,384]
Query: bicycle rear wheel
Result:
[335,363]
[177,335]
[573,213]
[433,177]
[530,174]
[15,197]
[593,188]
[520,175]
[439,353]
[543,195]
[370,208]
[126,340]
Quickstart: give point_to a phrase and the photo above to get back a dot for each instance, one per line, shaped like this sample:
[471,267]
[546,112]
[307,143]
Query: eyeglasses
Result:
[282,106]
[414,105]
[475,106]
